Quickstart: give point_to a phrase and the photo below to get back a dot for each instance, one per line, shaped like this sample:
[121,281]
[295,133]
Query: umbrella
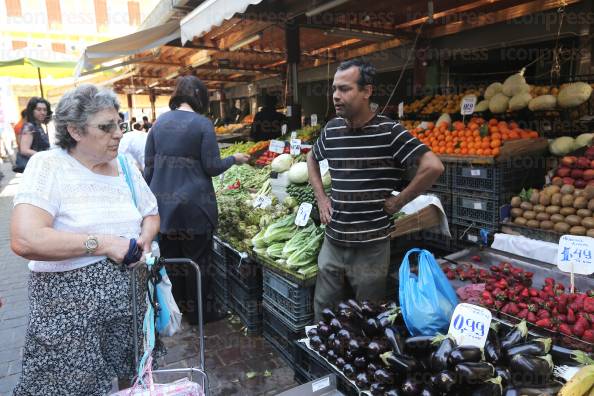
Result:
[29,68]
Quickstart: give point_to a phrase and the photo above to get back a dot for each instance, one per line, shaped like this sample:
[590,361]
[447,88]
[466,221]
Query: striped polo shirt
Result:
[366,165]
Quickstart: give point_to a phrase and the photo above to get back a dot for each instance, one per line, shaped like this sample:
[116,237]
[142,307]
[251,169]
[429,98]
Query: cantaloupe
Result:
[493,90]
[542,102]
[574,94]
[515,84]
[483,105]
[519,101]
[498,104]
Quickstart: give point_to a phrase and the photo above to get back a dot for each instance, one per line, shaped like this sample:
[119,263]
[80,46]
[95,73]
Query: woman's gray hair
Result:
[75,108]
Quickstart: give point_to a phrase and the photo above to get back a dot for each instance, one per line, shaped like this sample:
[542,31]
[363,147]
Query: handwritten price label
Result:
[284,129]
[400,109]
[295,146]
[470,325]
[324,167]
[576,251]
[277,146]
[467,106]
[303,214]
[314,119]
[262,202]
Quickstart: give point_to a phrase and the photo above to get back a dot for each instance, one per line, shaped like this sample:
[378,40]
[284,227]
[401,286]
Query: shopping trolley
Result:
[199,371]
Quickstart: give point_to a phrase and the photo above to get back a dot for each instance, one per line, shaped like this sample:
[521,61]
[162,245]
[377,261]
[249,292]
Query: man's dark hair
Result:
[366,71]
[137,126]
[24,113]
[32,104]
[270,101]
[145,118]
[190,90]
[121,115]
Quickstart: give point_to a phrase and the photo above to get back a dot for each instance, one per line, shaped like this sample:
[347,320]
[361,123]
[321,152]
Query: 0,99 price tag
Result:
[576,251]
[470,325]
[262,202]
[467,106]
[303,214]
[295,146]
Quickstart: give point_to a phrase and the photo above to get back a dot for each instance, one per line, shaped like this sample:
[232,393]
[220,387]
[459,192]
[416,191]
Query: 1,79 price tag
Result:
[576,251]
[470,325]
[303,214]
[295,146]
[262,202]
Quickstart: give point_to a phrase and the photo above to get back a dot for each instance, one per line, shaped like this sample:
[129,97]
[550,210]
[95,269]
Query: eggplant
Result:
[418,346]
[349,371]
[531,370]
[505,376]
[383,377]
[410,388]
[328,315]
[491,387]
[312,332]
[465,354]
[340,362]
[338,346]
[377,389]
[439,358]
[342,306]
[444,381]
[355,306]
[427,392]
[373,350]
[332,356]
[324,331]
[492,352]
[335,325]
[393,392]
[360,362]
[394,339]
[563,355]
[344,335]
[315,342]
[323,351]
[369,309]
[536,347]
[515,336]
[330,339]
[355,347]
[551,389]
[362,381]
[474,372]
[348,356]
[345,315]
[372,368]
[371,328]
[400,363]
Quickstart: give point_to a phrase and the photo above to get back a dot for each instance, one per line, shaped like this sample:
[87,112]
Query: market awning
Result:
[28,68]
[211,13]
[131,44]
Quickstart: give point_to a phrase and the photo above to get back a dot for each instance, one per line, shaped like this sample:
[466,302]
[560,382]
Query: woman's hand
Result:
[240,158]
[115,248]
[145,245]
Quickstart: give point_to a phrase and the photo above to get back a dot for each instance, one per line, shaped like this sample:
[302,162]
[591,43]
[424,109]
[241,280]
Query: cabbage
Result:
[298,173]
[282,163]
[584,139]
[326,179]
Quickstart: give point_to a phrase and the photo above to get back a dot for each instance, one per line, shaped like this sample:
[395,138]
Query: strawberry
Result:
[533,292]
[559,286]
[565,329]
[562,318]
[529,274]
[486,295]
[590,293]
[523,314]
[545,322]
[531,317]
[543,314]
[549,281]
[513,309]
[589,304]
[489,287]
[570,316]
[580,326]
[588,336]
[450,275]
[525,293]
[522,305]
[488,302]
[494,268]
[499,304]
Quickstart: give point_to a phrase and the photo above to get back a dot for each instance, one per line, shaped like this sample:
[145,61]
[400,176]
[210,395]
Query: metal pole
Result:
[40,83]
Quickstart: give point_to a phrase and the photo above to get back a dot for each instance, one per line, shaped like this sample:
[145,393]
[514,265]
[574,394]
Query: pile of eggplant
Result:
[371,346]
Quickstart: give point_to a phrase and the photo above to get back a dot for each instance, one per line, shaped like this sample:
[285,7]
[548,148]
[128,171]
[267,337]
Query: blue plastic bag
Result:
[427,300]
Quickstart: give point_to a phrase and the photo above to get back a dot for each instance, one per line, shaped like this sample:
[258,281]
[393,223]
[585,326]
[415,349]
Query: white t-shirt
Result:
[132,144]
[82,201]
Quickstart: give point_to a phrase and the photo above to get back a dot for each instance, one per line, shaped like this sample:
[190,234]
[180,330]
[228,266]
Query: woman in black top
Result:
[33,136]
[181,158]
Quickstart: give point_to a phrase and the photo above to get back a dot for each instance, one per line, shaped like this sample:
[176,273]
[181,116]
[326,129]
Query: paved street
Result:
[236,364]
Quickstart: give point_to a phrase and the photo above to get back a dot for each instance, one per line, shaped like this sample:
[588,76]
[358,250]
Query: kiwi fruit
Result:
[557,218]
[577,230]
[584,212]
[516,212]
[567,211]
[552,189]
[529,215]
[561,228]
[541,216]
[591,204]
[538,208]
[567,200]
[521,221]
[556,199]
[590,233]
[534,197]
[552,209]
[516,202]
[588,222]
[533,223]
[589,192]
[573,220]
[546,225]
[526,206]
[580,203]
[545,199]
[567,189]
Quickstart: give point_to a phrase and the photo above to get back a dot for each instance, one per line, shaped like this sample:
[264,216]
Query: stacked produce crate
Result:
[288,308]
[218,257]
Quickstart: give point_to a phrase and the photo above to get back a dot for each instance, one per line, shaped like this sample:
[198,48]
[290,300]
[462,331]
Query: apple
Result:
[563,171]
[568,180]
[557,181]
[577,174]
[568,161]
[583,163]
[589,174]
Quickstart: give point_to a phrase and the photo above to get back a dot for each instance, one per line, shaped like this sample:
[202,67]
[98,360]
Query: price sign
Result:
[262,202]
[303,214]
[277,146]
[314,119]
[470,325]
[324,167]
[289,111]
[295,146]
[284,129]
[472,238]
[294,135]
[222,177]
[575,254]
[467,106]
[478,206]
[475,172]
[400,109]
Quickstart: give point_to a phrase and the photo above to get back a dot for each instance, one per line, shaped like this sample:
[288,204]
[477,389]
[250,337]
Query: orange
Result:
[494,129]
[495,151]
[487,152]
[485,144]
[492,122]
[495,143]
[479,152]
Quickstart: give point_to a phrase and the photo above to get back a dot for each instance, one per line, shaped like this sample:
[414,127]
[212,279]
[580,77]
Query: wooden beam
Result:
[445,13]
[368,49]
[233,38]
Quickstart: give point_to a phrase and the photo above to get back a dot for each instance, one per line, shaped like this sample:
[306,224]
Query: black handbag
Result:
[20,163]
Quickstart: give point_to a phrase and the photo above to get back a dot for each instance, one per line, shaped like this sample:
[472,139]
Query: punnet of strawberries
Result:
[509,290]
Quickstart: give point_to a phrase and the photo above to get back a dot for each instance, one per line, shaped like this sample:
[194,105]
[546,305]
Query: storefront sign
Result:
[470,325]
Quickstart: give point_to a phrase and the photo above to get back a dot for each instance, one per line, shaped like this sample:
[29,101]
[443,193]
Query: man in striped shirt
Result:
[367,154]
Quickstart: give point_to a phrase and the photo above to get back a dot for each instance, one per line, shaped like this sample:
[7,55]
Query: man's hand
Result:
[392,205]
[325,209]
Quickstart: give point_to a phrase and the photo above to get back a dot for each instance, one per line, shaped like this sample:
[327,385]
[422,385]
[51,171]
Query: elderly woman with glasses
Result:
[74,217]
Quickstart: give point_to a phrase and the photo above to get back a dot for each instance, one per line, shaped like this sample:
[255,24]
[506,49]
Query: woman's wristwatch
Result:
[91,244]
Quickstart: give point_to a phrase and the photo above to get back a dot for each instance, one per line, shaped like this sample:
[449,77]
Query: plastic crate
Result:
[221,287]
[476,209]
[290,322]
[499,180]
[247,305]
[294,300]
[245,270]
[280,336]
[467,235]
[443,183]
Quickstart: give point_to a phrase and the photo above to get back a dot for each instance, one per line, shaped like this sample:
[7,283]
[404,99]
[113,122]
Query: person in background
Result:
[74,218]
[267,122]
[133,144]
[18,127]
[181,158]
[367,154]
[137,127]
[33,137]
[146,125]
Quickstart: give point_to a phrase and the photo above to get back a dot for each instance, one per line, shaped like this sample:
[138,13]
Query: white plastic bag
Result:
[167,303]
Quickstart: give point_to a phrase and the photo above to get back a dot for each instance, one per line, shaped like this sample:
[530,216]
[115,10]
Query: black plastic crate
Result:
[292,323]
[280,336]
[499,179]
[294,300]
[247,305]
[221,288]
[443,183]
[247,271]
[476,209]
[465,235]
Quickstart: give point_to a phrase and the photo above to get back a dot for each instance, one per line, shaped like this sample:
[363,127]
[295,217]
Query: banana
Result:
[580,384]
